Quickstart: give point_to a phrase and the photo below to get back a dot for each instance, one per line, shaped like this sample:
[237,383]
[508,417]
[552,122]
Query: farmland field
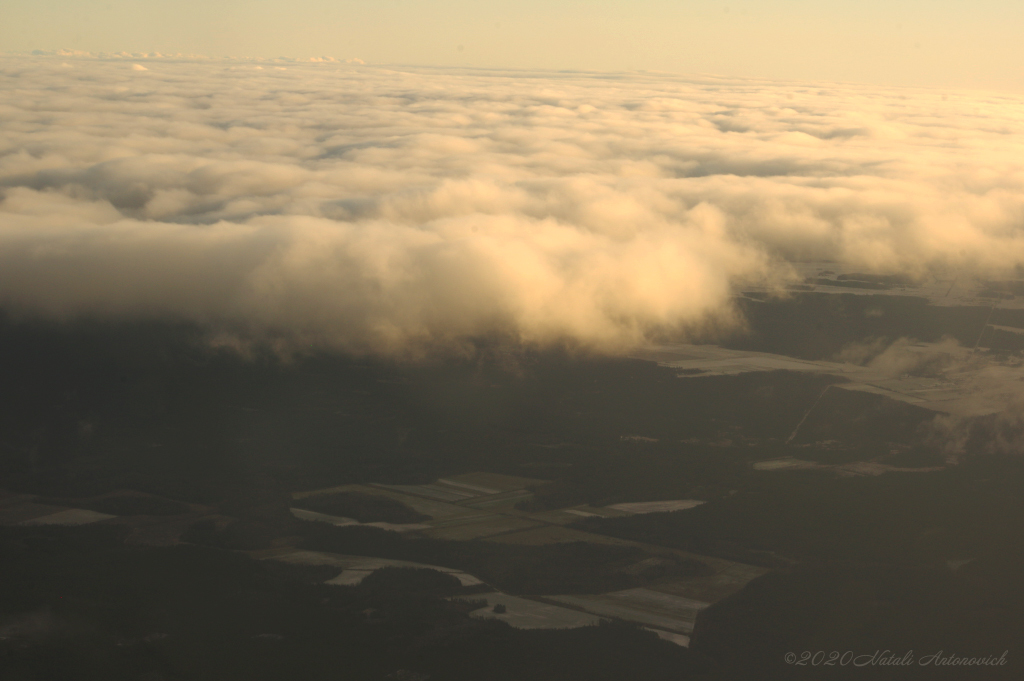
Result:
[552,534]
[525,613]
[486,526]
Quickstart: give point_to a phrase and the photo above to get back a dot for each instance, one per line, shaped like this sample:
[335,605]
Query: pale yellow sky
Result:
[943,43]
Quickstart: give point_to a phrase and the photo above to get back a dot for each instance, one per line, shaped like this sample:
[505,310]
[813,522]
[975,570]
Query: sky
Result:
[929,43]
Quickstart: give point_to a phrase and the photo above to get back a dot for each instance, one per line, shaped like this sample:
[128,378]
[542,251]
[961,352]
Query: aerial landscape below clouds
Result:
[393,211]
[328,370]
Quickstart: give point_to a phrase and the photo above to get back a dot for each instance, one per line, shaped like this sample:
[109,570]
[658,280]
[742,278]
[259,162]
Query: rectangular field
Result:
[485,526]
[435,509]
[660,611]
[554,534]
[657,506]
[525,613]
[730,578]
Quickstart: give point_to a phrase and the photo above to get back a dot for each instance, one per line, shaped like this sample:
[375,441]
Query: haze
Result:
[944,43]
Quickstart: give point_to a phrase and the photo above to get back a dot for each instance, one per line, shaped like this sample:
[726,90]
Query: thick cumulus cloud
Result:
[389,211]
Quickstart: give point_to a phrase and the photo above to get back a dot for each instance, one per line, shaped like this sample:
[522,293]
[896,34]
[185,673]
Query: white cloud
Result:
[385,210]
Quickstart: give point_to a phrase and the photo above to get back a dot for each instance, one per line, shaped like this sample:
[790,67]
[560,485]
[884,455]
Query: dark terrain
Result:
[147,419]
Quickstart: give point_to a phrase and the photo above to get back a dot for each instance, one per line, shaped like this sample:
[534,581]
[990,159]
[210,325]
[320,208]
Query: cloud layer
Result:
[392,211]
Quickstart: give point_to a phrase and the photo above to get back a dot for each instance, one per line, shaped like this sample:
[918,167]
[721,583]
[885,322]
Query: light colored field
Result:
[350,577]
[446,498]
[361,570]
[852,468]
[338,521]
[679,639]
[554,534]
[487,526]
[657,506]
[561,517]
[19,511]
[501,500]
[356,568]
[435,491]
[586,510]
[657,601]
[779,464]
[317,558]
[872,468]
[730,578]
[71,516]
[476,489]
[712,360]
[643,606]
[566,516]
[524,613]
[458,488]
[435,509]
[472,516]
[331,490]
